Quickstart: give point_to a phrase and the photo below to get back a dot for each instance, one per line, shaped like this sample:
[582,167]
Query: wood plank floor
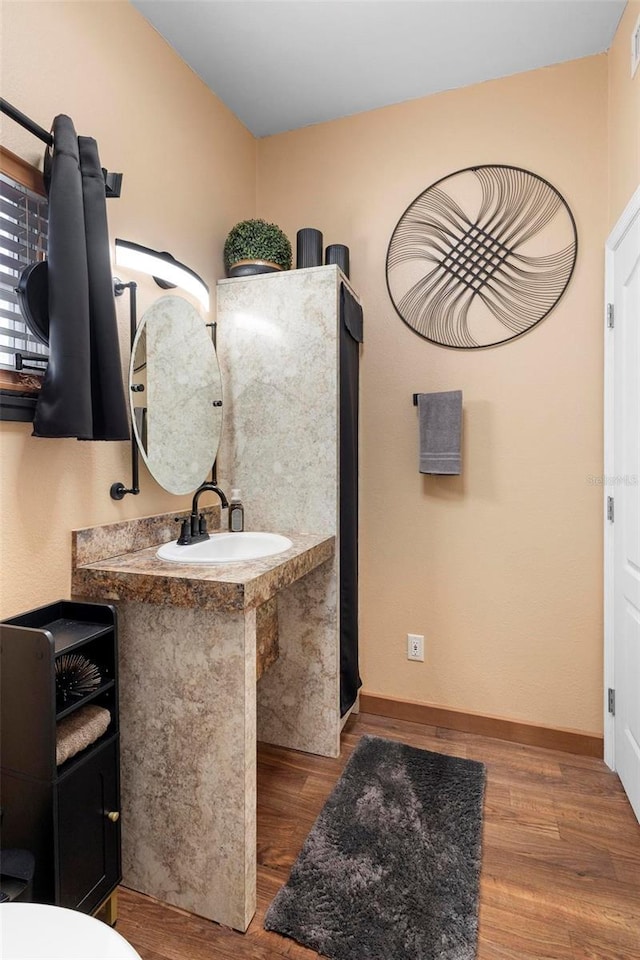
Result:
[561,855]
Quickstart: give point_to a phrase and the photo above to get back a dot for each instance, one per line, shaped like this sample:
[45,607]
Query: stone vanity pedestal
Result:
[193,641]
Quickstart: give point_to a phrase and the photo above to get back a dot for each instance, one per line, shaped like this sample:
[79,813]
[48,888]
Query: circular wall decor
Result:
[481,256]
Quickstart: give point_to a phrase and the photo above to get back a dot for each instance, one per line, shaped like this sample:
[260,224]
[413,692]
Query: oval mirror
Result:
[176,395]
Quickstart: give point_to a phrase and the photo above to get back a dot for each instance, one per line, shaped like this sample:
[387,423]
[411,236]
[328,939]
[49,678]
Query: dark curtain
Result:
[351,324]
[82,394]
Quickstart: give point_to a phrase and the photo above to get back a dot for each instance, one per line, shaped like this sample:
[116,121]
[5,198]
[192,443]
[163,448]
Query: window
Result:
[23,240]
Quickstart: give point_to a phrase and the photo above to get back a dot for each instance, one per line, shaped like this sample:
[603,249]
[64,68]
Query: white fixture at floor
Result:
[226,548]
[35,931]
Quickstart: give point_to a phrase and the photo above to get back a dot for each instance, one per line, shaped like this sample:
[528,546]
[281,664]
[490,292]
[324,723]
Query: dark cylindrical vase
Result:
[339,254]
[308,248]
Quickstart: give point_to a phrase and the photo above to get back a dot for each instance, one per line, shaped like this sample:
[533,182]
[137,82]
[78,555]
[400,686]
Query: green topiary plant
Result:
[257,240]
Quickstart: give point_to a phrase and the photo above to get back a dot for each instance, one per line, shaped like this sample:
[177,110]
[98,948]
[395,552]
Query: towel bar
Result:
[22,355]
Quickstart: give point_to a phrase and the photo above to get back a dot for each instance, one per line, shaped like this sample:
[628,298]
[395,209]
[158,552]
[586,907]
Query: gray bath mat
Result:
[390,869]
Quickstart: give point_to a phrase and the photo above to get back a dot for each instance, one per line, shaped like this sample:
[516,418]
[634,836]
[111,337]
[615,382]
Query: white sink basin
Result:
[226,548]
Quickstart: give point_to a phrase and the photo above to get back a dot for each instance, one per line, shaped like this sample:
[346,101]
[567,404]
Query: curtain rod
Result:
[24,121]
[112,181]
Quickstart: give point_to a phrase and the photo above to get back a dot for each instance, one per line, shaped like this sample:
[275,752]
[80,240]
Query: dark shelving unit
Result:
[88,698]
[67,816]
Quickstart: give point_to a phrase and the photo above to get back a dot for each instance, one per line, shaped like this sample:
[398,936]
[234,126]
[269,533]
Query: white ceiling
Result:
[283,64]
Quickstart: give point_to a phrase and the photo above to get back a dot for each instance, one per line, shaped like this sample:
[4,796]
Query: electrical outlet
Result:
[415,646]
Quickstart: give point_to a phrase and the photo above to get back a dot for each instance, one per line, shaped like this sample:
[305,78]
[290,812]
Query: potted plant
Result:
[255,246]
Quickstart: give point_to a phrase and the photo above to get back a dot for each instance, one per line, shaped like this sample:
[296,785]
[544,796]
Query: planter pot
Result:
[250,268]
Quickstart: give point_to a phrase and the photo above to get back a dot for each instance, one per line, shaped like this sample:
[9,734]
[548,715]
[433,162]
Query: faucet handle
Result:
[185,530]
[202,523]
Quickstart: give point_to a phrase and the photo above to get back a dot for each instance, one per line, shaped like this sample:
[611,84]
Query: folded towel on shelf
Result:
[79,730]
[440,419]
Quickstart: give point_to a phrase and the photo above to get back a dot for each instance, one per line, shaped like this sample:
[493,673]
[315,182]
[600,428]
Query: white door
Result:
[624,486]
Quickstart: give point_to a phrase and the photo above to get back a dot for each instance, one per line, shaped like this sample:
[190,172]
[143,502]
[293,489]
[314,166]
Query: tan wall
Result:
[501,569]
[624,117]
[189,175]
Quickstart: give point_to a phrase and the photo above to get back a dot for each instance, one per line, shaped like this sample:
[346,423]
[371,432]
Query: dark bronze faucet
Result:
[194,528]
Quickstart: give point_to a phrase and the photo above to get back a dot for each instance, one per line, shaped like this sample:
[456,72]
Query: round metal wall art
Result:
[481,256]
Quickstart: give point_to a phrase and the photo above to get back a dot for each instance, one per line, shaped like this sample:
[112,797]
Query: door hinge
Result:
[611,701]
[610,316]
[610,510]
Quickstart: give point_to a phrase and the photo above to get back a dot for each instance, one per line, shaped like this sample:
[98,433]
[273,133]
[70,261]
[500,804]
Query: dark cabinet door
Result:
[88,840]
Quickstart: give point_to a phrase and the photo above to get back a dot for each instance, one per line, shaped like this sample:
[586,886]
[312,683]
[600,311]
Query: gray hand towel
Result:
[440,417]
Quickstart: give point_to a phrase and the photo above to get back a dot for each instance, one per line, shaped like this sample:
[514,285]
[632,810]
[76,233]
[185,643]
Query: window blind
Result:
[23,240]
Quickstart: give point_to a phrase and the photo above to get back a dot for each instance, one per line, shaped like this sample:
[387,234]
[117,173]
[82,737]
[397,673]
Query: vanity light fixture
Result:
[165,270]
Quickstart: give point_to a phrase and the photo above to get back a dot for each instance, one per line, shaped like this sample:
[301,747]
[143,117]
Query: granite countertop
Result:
[138,575]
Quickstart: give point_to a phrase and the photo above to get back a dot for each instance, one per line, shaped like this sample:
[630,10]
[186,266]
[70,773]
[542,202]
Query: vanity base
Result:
[298,699]
[267,636]
[188,758]
[193,642]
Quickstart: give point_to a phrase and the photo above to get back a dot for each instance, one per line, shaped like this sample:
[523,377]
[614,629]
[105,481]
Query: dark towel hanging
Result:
[109,409]
[82,394]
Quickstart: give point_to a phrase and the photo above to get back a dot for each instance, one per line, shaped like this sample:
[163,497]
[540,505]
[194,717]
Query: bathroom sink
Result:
[226,548]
